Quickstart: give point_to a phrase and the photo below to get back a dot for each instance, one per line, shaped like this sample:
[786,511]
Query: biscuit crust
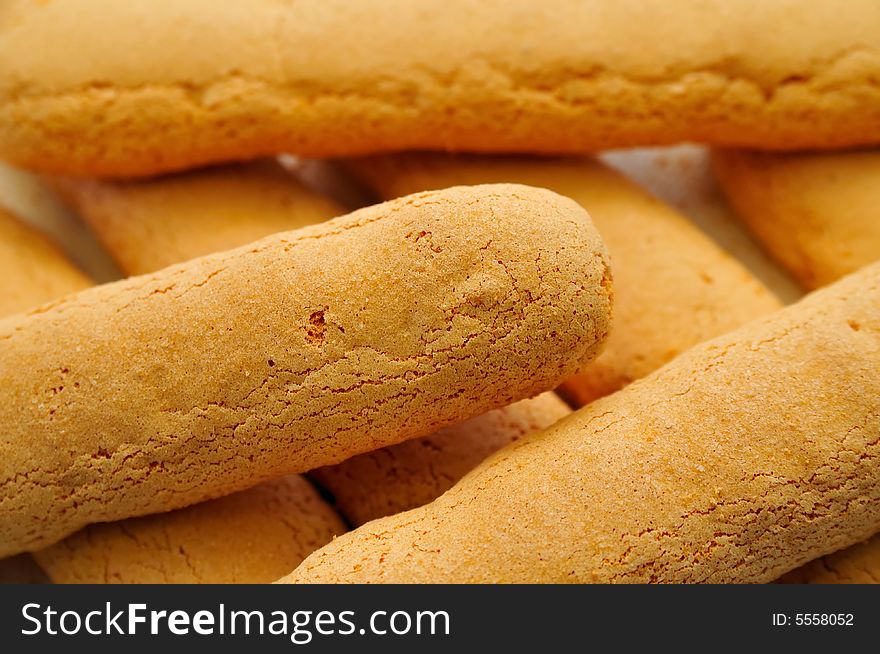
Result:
[673,286]
[33,270]
[251,537]
[738,461]
[150,224]
[297,351]
[149,86]
[418,471]
[816,213]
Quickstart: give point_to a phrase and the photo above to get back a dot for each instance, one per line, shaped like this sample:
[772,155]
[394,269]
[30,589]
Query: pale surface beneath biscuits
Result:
[251,537]
[29,198]
[674,287]
[682,177]
[144,86]
[297,351]
[408,475]
[148,225]
[740,460]
[817,214]
[32,269]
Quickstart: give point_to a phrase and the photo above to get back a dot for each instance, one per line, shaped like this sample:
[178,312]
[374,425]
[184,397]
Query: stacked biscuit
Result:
[498,367]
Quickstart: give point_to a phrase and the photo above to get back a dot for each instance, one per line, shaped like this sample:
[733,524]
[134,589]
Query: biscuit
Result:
[816,214]
[90,88]
[738,461]
[413,473]
[150,224]
[35,272]
[298,351]
[32,270]
[682,177]
[859,564]
[251,537]
[673,286]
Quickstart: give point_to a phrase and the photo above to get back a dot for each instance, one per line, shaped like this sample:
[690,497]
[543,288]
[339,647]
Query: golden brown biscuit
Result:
[859,564]
[143,86]
[32,270]
[297,351]
[151,224]
[410,474]
[250,537]
[276,542]
[740,460]
[817,214]
[673,286]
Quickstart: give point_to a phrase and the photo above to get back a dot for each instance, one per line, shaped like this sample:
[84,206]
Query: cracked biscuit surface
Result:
[413,473]
[270,528]
[145,86]
[32,271]
[251,537]
[663,304]
[740,460]
[150,224]
[817,214]
[178,217]
[175,218]
[297,351]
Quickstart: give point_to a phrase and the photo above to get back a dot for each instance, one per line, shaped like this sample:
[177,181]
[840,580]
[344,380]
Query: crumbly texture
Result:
[408,475]
[859,564]
[816,213]
[151,224]
[740,460]
[251,537]
[143,86]
[298,351]
[32,269]
[674,287]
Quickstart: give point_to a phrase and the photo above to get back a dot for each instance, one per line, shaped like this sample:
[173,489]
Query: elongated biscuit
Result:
[151,224]
[252,537]
[143,86]
[173,219]
[269,529]
[410,474]
[178,217]
[859,564]
[674,287]
[817,214]
[740,460]
[298,351]
[32,269]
